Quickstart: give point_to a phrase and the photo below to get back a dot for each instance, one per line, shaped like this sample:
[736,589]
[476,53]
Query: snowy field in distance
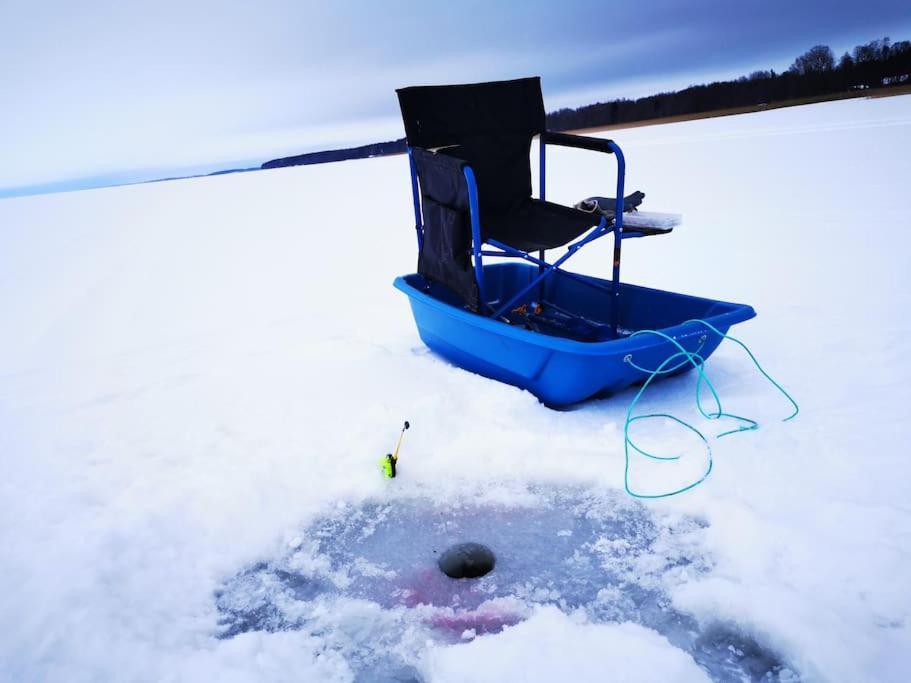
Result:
[193,372]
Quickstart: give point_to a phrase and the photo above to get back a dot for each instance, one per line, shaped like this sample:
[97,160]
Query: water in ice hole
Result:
[364,579]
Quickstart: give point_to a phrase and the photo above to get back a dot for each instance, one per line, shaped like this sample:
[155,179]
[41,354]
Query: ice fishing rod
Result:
[390,459]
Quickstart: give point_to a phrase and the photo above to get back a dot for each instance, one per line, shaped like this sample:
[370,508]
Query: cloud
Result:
[97,87]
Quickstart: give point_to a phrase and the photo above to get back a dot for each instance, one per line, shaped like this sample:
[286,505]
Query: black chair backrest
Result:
[443,115]
[488,125]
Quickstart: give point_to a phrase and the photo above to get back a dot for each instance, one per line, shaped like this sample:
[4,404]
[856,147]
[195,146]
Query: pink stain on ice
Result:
[480,621]
[459,603]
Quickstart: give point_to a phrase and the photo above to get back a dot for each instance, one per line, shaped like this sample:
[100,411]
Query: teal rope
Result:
[755,362]
[698,363]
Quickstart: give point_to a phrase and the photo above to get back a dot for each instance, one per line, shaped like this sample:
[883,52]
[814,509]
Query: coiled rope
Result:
[670,364]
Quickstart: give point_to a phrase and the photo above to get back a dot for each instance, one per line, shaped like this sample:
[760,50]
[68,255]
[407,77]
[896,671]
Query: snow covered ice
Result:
[192,388]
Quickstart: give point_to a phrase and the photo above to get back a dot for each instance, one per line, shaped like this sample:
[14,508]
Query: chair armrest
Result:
[602,145]
[579,141]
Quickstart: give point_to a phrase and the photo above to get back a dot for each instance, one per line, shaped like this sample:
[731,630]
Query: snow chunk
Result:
[552,646]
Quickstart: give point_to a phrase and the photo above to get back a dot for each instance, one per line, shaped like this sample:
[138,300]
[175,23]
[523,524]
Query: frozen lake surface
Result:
[198,379]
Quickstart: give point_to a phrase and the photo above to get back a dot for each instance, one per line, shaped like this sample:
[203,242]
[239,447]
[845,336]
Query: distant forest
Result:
[877,64]
[813,75]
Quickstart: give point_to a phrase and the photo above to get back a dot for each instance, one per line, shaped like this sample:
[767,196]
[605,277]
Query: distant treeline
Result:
[363,152]
[877,64]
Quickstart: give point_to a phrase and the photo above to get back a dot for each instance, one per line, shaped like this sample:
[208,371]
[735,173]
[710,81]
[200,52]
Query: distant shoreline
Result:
[377,149]
[878,68]
[396,147]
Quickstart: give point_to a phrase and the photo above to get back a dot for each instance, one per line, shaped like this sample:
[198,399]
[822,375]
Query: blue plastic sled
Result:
[563,336]
[561,371]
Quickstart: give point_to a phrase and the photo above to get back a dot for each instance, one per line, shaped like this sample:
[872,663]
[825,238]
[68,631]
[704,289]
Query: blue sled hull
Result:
[558,370]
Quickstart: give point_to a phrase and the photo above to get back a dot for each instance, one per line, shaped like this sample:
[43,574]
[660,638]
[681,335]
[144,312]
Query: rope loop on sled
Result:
[675,362]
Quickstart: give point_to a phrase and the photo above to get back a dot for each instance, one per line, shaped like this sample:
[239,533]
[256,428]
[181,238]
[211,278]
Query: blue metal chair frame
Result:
[545,269]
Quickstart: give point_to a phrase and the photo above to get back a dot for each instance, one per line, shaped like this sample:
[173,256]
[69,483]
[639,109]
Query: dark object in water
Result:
[467,561]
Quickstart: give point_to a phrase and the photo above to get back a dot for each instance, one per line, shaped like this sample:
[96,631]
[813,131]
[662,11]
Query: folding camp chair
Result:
[469,148]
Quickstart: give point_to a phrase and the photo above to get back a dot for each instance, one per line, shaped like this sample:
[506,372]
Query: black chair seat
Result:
[534,225]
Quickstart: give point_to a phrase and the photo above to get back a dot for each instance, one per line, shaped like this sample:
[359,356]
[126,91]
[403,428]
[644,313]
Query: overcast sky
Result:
[129,90]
